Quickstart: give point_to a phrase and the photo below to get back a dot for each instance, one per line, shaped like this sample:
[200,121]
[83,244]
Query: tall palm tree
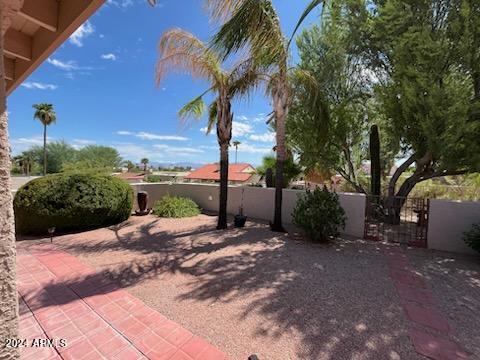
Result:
[182,51]
[46,115]
[254,25]
[236,143]
[145,162]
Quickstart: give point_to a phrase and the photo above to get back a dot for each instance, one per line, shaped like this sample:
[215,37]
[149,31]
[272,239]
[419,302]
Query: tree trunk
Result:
[375,168]
[44,149]
[280,100]
[222,212]
[224,135]
[8,289]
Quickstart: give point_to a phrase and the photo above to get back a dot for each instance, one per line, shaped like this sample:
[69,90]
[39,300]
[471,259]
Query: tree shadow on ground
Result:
[337,299]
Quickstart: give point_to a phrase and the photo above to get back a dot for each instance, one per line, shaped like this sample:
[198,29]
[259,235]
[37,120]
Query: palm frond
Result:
[304,15]
[246,76]
[212,116]
[254,23]
[194,108]
[221,10]
[181,51]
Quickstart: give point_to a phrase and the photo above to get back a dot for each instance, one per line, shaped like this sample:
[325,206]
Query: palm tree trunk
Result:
[222,211]
[280,101]
[224,135]
[44,149]
[236,154]
[8,293]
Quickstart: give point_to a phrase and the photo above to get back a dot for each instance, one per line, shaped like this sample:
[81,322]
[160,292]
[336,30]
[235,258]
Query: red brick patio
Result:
[62,298]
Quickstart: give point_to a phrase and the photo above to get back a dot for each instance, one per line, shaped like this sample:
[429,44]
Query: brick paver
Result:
[430,331]
[62,298]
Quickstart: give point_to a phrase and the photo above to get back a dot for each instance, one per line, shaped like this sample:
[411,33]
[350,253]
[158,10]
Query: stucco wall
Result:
[447,222]
[258,203]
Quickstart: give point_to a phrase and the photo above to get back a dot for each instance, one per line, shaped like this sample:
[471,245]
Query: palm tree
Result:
[236,143]
[145,162]
[254,24]
[182,51]
[46,115]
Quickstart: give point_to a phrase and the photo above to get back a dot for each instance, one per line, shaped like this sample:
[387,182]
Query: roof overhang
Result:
[36,30]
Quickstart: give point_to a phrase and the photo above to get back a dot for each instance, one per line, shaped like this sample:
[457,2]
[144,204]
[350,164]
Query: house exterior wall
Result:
[258,203]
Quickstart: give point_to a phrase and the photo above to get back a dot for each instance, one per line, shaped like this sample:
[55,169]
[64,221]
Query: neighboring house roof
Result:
[130,176]
[236,172]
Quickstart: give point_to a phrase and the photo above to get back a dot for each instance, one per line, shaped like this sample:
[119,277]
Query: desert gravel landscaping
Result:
[251,291]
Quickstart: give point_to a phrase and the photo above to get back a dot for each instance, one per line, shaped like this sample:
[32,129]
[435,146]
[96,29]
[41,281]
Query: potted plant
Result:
[240,219]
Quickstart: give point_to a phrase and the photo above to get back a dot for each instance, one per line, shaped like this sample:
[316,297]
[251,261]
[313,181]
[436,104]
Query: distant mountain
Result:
[178,164]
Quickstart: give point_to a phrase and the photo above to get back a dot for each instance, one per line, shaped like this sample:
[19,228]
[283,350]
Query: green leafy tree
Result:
[182,51]
[99,156]
[254,25]
[291,169]
[144,162]
[336,141]
[59,153]
[47,116]
[429,61]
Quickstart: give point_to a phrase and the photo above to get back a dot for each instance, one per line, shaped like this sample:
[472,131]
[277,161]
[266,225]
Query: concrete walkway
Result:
[68,311]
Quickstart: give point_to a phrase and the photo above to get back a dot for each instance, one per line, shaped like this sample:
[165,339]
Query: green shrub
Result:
[71,202]
[153,179]
[319,214]
[472,237]
[175,207]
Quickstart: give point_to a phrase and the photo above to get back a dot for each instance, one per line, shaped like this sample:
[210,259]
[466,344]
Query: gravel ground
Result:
[251,291]
[455,283]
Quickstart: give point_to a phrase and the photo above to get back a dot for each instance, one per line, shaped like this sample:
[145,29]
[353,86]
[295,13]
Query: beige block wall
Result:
[258,203]
[447,222]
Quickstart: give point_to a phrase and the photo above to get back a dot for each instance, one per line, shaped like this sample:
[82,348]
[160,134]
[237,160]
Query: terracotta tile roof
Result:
[236,172]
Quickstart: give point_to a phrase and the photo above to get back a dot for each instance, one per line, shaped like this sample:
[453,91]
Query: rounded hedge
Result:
[175,207]
[71,202]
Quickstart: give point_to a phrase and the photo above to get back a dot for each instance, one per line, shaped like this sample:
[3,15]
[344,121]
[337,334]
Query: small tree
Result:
[145,162]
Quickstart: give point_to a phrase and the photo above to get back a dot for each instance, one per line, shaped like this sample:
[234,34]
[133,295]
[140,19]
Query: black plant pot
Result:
[240,221]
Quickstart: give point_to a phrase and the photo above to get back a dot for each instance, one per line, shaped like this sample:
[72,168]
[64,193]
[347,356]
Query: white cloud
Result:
[150,136]
[63,65]
[80,143]
[24,143]
[81,33]
[175,150]
[251,149]
[267,137]
[135,152]
[239,129]
[38,86]
[123,132]
[121,3]
[109,56]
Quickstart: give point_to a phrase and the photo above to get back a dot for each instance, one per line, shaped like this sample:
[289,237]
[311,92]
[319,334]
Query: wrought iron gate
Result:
[396,219]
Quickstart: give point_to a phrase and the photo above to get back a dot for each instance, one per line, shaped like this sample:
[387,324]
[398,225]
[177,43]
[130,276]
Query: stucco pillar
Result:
[8,288]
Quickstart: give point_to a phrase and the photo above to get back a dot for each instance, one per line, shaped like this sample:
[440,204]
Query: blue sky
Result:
[101,82]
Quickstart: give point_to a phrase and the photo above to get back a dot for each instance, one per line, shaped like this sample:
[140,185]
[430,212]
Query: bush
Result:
[71,202]
[472,237]
[153,179]
[175,207]
[319,214]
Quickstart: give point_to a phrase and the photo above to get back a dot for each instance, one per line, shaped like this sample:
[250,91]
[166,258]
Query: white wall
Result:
[258,203]
[447,222]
